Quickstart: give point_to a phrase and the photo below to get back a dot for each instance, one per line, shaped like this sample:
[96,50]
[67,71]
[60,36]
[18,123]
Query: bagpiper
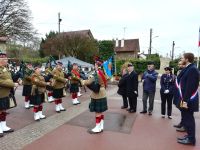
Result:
[27,85]
[38,93]
[6,84]
[49,76]
[58,85]
[74,87]
[97,83]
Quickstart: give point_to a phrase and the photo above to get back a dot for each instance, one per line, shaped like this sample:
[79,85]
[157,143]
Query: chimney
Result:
[122,43]
[116,43]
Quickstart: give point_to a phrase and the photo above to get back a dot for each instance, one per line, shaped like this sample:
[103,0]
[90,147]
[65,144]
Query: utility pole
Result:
[59,20]
[150,41]
[124,32]
[173,44]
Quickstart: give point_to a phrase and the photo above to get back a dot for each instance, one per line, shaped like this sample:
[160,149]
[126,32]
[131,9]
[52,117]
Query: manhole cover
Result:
[116,122]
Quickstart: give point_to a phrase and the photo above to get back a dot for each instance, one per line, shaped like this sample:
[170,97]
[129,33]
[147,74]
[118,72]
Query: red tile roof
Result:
[84,33]
[129,46]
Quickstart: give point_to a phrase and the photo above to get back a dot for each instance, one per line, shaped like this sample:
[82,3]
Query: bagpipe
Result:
[95,86]
[24,70]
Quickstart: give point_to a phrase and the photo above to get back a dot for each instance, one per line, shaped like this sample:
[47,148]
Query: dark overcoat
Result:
[122,85]
[187,84]
[132,84]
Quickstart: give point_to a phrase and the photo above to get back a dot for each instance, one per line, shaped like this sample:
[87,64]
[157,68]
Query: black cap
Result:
[2,54]
[130,64]
[150,63]
[59,63]
[168,68]
[74,64]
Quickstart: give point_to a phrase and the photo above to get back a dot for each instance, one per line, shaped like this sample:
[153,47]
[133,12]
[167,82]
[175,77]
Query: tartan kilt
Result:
[74,88]
[26,90]
[58,93]
[4,103]
[37,99]
[98,105]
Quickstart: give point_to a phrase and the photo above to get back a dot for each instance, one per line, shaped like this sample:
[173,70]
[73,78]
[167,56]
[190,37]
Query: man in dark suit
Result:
[132,88]
[122,88]
[187,96]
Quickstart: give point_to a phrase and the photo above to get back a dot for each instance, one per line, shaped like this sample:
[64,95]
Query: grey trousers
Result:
[145,96]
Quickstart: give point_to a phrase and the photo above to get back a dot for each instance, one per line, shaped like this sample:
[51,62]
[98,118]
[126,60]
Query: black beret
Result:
[168,68]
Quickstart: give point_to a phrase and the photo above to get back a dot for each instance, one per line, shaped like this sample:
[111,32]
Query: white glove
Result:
[166,91]
[135,92]
[16,84]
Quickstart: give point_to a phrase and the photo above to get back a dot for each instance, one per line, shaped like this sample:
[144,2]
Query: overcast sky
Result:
[171,20]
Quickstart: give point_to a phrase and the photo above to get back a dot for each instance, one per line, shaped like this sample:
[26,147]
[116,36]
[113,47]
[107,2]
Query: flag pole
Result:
[198,59]
[198,50]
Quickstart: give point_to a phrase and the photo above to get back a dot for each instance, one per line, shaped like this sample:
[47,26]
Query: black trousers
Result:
[125,101]
[181,123]
[133,102]
[189,123]
[166,98]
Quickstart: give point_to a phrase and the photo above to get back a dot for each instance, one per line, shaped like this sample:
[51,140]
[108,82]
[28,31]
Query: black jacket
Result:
[167,82]
[132,84]
[188,81]
[122,85]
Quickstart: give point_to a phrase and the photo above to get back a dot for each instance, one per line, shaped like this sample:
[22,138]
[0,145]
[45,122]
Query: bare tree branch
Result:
[15,20]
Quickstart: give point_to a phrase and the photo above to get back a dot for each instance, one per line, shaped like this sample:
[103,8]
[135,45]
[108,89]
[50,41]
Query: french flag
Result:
[199,36]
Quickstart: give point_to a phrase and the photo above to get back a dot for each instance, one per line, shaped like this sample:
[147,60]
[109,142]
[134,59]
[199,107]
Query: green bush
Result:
[36,61]
[139,65]
[174,64]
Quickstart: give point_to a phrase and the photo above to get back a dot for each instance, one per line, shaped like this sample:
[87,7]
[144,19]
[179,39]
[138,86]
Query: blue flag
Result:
[107,65]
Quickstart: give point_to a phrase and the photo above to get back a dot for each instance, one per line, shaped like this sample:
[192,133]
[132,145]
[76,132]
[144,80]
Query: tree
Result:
[80,47]
[106,49]
[15,20]
[75,45]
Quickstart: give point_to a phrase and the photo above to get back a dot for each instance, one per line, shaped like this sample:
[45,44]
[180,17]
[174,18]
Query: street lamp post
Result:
[59,20]
[173,44]
[150,42]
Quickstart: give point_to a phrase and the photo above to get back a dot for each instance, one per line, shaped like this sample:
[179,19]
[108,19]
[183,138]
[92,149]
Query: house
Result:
[127,49]
[142,55]
[3,43]
[79,33]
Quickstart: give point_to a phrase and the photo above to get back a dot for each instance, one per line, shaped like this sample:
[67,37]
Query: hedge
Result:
[139,65]
[174,64]
[36,61]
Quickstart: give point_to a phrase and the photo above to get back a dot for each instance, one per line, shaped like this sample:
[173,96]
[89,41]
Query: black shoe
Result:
[91,132]
[182,129]
[123,107]
[143,112]
[178,126]
[128,109]
[9,131]
[181,138]
[169,117]
[1,135]
[132,111]
[186,141]
[63,110]
[150,113]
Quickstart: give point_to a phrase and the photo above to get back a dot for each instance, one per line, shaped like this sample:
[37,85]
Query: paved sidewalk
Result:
[147,132]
